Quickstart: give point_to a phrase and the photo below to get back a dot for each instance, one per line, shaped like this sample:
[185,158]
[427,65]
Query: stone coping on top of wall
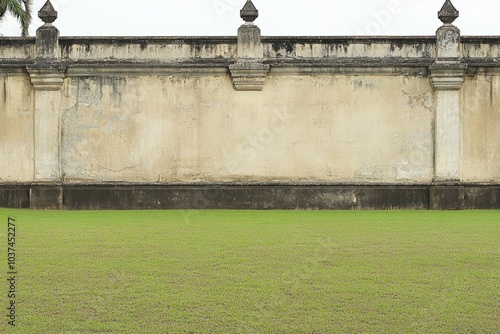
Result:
[220,51]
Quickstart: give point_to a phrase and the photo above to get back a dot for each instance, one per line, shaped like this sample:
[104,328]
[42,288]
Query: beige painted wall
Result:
[165,49]
[299,128]
[17,48]
[16,129]
[166,110]
[481,129]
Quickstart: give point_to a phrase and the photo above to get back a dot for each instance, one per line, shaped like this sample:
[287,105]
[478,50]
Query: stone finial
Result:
[249,13]
[47,13]
[448,13]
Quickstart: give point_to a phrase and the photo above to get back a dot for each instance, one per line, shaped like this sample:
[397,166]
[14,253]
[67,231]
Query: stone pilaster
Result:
[249,73]
[47,76]
[447,76]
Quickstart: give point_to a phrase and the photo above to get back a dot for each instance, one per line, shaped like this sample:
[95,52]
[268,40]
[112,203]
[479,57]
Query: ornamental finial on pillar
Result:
[46,72]
[448,13]
[249,13]
[47,13]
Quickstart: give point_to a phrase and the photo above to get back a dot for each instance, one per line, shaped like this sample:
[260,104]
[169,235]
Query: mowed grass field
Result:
[255,271]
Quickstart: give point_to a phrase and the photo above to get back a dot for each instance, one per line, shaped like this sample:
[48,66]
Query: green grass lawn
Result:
[255,271]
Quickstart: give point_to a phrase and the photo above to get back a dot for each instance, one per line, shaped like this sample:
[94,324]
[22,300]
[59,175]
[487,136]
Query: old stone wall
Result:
[16,128]
[250,110]
[317,128]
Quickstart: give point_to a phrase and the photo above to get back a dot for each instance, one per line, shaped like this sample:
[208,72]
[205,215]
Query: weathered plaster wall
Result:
[331,110]
[319,48]
[477,49]
[250,122]
[17,49]
[198,129]
[161,49]
[16,129]
[481,128]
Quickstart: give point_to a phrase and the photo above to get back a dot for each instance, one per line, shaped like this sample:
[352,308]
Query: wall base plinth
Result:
[251,197]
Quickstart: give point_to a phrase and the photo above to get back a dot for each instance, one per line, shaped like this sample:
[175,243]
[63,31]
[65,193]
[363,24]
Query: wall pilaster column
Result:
[447,76]
[47,76]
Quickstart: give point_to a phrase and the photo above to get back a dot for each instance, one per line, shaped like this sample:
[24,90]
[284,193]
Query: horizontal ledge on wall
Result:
[407,40]
[476,65]
[69,40]
[144,71]
[225,39]
[385,71]
[416,69]
[10,41]
[147,63]
[14,71]
[483,71]
[296,69]
[282,62]
[351,61]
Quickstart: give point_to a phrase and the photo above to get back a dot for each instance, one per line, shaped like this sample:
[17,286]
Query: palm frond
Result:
[3,8]
[26,19]
[20,9]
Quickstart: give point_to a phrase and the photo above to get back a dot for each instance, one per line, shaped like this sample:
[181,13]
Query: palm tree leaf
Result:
[20,10]
[26,19]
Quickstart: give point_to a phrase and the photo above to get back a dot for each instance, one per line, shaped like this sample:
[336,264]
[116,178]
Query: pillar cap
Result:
[47,13]
[448,13]
[249,12]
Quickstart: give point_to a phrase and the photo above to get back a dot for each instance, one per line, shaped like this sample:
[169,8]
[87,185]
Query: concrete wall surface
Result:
[250,110]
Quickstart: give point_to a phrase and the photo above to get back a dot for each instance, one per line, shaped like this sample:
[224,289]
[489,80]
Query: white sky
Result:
[276,17]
